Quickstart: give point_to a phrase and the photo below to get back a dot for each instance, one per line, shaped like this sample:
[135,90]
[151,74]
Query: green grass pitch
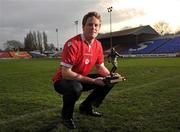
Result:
[149,99]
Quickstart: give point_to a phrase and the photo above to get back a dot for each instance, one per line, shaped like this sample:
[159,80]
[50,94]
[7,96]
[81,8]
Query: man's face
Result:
[91,28]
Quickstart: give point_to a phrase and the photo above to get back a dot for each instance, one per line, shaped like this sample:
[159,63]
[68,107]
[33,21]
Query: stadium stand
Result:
[4,54]
[125,39]
[20,54]
[156,46]
[36,54]
[141,40]
[56,54]
[149,47]
[172,46]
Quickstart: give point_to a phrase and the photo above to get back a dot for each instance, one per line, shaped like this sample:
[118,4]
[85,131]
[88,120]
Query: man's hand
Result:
[99,81]
[119,76]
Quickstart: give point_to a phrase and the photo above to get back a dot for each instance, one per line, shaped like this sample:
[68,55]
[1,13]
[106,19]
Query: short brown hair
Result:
[91,14]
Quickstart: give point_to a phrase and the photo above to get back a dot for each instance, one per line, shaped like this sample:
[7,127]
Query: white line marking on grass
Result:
[157,81]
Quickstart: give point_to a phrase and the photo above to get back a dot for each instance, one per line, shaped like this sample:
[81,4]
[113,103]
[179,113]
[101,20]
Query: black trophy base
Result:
[113,79]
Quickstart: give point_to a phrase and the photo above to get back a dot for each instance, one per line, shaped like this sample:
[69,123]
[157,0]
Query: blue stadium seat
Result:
[171,46]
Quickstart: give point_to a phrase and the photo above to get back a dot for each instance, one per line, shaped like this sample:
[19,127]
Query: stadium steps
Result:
[161,45]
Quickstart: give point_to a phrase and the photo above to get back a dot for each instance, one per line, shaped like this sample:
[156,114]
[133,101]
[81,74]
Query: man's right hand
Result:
[99,81]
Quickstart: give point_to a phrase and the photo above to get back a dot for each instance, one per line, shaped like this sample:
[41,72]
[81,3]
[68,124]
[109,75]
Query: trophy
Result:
[114,77]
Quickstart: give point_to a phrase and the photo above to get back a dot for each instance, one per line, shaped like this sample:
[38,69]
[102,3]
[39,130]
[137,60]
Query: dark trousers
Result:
[72,89]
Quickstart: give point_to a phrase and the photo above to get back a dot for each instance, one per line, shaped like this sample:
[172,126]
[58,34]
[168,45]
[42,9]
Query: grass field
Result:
[148,101]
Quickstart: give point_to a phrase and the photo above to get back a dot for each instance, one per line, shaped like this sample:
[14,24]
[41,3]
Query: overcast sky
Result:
[18,17]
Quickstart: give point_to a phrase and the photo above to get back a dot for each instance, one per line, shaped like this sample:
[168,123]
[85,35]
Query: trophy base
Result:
[113,79]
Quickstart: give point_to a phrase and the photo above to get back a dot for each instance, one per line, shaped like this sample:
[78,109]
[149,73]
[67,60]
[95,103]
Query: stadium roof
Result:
[132,31]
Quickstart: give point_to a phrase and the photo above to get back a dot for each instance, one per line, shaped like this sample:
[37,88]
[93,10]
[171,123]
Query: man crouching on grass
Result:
[79,55]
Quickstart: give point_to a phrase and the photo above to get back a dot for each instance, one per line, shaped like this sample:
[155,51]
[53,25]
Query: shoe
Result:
[69,123]
[89,111]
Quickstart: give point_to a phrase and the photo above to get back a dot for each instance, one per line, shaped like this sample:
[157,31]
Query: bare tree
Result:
[178,31]
[13,45]
[39,40]
[46,47]
[36,41]
[29,42]
[35,45]
[162,28]
[52,47]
